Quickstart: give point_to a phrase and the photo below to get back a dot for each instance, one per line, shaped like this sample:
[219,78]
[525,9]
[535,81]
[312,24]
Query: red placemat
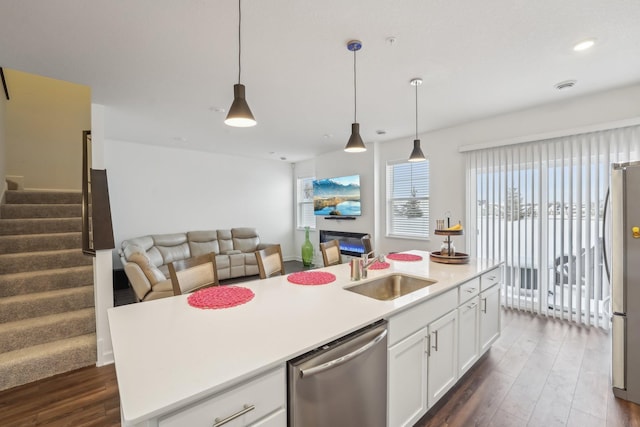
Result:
[379,265]
[311,278]
[404,257]
[220,297]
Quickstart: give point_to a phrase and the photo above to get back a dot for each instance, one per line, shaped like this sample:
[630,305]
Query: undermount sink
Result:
[390,287]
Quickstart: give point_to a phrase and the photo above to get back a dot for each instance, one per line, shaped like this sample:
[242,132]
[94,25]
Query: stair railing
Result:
[97,228]
[4,84]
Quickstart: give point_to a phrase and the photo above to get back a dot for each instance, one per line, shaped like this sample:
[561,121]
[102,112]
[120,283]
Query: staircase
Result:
[47,315]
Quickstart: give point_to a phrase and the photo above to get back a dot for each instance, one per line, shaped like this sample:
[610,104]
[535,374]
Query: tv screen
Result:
[338,196]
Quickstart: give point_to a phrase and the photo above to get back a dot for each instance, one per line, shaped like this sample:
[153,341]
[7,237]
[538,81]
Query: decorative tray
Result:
[449,232]
[458,258]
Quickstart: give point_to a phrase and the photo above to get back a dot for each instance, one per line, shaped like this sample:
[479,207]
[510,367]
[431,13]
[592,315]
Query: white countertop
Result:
[169,354]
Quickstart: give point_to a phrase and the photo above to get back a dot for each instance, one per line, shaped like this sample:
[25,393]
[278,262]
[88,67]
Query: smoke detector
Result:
[567,84]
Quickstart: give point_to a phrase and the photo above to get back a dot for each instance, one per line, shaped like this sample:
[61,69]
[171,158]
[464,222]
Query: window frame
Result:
[423,232]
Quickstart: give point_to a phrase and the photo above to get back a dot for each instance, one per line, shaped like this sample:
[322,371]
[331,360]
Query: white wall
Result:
[44,123]
[157,190]
[447,163]
[103,261]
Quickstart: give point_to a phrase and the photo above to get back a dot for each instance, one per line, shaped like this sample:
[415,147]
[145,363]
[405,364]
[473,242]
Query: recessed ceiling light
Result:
[584,45]
[567,84]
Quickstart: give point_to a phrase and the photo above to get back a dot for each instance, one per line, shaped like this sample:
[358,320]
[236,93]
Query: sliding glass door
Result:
[540,208]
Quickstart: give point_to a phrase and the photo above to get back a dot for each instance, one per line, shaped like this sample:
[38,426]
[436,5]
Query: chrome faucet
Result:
[366,263]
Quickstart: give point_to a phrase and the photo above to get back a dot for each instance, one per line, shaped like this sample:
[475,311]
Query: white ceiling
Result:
[162,67]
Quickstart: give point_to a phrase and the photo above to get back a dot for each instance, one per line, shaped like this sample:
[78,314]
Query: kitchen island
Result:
[172,359]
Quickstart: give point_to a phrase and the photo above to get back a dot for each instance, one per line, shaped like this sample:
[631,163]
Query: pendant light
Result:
[355,144]
[239,113]
[416,155]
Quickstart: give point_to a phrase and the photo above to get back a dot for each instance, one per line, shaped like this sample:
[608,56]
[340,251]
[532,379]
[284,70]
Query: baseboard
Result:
[104,357]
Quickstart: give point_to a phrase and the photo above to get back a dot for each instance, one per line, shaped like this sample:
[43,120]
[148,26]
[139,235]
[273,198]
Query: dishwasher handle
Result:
[343,359]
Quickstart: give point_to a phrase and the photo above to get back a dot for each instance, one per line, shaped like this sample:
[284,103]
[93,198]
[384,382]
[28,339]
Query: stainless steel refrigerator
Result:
[625,280]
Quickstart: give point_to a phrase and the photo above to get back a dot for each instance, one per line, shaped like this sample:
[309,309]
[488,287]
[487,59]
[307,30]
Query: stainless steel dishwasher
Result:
[343,383]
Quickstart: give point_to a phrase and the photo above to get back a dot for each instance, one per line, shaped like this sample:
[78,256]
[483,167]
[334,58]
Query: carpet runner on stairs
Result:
[47,315]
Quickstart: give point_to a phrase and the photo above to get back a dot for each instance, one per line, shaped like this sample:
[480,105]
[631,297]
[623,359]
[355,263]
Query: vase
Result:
[307,249]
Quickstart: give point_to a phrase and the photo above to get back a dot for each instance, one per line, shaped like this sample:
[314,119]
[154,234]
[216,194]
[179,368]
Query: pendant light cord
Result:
[355,92]
[416,111]
[239,39]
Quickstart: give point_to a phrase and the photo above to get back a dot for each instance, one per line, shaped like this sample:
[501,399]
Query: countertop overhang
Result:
[169,354]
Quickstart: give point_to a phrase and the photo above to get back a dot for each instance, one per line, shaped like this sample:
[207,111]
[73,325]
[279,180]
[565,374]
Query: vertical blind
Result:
[540,207]
[408,199]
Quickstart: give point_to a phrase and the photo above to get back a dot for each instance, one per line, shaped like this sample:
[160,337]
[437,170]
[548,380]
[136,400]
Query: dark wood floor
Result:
[540,372]
[85,397]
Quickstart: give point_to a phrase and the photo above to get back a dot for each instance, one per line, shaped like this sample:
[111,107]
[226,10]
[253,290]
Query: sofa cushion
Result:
[172,247]
[150,271]
[245,239]
[225,241]
[203,242]
[143,245]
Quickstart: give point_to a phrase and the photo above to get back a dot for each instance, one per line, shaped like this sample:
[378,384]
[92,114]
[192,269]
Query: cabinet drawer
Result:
[490,278]
[469,290]
[407,322]
[266,394]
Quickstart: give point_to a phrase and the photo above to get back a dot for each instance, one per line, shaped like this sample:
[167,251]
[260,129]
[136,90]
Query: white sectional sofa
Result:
[145,259]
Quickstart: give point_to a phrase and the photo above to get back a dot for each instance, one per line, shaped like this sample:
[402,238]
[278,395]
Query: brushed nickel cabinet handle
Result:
[484,309]
[247,408]
[435,347]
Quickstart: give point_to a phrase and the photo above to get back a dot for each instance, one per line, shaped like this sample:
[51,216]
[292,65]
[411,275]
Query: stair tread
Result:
[31,322]
[15,299]
[39,235]
[48,272]
[18,197]
[44,204]
[37,351]
[9,220]
[42,253]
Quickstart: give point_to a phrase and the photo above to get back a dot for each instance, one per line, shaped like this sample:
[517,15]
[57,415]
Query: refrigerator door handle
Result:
[606,307]
[617,241]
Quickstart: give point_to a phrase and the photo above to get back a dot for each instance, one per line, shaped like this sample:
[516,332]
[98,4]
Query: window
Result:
[305,203]
[408,199]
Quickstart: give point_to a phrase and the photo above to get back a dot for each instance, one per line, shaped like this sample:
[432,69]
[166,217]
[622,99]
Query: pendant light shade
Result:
[416,154]
[239,113]
[355,144]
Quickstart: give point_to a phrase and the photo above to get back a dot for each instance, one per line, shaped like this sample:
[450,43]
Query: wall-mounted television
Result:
[339,196]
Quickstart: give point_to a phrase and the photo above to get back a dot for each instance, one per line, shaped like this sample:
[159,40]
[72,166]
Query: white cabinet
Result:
[407,380]
[443,361]
[258,402]
[489,317]
[468,343]
[435,342]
